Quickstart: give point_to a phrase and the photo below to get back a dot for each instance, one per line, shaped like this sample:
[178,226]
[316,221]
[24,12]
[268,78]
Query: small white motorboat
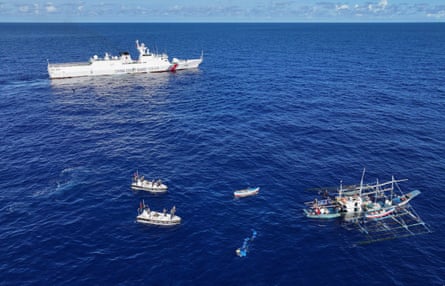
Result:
[147,216]
[155,186]
[246,192]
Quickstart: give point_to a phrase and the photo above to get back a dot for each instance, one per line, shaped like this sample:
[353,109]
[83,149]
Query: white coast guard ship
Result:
[123,64]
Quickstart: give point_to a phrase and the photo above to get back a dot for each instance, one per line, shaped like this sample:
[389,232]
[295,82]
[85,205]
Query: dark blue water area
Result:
[287,107]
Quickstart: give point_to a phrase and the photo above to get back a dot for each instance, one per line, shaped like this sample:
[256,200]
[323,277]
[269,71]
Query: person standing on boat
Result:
[172,212]
[315,204]
[326,194]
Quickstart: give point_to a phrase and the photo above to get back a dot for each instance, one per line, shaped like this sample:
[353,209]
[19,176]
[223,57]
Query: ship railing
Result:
[69,64]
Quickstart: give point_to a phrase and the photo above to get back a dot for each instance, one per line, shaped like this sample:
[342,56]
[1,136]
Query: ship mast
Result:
[361,182]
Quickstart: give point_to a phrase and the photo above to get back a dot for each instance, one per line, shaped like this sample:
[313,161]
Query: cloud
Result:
[24,8]
[50,8]
[341,7]
[437,12]
[375,8]
[438,15]
[383,4]
[225,10]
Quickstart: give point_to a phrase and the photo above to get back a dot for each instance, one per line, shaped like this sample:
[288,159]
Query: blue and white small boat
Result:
[246,192]
[322,212]
[322,209]
[404,199]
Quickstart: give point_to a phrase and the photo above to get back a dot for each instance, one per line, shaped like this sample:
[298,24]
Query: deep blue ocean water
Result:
[287,107]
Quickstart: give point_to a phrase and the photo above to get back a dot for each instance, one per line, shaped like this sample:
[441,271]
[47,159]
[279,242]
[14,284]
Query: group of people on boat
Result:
[154,182]
[143,206]
[146,215]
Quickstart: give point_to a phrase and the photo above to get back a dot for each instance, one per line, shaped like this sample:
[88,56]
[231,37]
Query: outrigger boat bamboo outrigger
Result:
[380,211]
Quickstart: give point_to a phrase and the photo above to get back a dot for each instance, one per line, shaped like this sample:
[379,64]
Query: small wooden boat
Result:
[322,212]
[404,199]
[246,192]
[147,216]
[380,213]
[155,186]
[322,209]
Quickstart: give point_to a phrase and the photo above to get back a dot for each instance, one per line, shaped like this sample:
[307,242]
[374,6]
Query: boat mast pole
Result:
[361,182]
[392,186]
[341,188]
[377,190]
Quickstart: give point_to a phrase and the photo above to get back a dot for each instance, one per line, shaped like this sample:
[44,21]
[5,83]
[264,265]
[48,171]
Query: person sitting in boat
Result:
[317,211]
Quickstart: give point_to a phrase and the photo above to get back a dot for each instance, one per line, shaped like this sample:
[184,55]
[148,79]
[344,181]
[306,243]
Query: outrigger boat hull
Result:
[380,213]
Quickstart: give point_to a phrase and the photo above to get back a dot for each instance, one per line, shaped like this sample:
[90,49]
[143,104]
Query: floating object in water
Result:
[242,251]
[246,192]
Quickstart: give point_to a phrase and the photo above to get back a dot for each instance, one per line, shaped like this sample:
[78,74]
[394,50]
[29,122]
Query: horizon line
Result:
[226,22]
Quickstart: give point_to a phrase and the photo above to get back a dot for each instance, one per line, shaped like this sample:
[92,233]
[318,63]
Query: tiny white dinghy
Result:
[147,216]
[154,186]
[246,192]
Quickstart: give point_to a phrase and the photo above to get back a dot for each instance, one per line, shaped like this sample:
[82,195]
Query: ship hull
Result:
[185,64]
[58,71]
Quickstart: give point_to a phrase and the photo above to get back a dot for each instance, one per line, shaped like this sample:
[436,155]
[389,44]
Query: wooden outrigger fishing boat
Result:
[380,211]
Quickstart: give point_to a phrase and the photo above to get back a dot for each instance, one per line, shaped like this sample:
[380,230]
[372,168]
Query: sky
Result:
[222,11]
